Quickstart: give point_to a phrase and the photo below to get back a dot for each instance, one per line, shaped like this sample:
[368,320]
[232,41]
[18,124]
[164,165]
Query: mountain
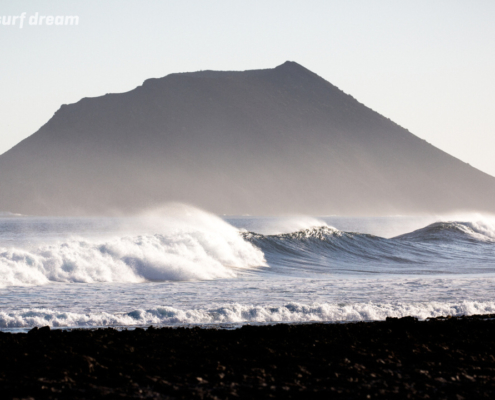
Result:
[270,141]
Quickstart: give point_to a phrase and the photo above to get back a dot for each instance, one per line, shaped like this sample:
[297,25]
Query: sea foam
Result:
[188,244]
[241,314]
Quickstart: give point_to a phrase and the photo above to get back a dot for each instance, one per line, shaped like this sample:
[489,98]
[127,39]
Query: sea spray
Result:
[193,245]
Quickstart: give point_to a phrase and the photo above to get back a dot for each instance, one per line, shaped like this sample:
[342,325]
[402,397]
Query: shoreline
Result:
[444,357]
[229,326]
[232,325]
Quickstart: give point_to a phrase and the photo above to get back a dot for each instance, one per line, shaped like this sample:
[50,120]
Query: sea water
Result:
[182,266]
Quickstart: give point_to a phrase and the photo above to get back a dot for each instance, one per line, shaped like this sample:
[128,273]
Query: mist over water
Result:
[175,244]
[180,265]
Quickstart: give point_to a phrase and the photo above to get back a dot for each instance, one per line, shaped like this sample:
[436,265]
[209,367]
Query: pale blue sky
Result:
[427,65]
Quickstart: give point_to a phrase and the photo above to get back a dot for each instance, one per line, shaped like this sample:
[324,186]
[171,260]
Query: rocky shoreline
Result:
[442,358]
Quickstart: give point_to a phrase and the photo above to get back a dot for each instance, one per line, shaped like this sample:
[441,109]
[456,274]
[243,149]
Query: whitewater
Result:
[181,266]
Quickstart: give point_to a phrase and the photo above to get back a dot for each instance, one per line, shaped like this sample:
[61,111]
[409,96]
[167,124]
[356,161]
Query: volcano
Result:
[261,142]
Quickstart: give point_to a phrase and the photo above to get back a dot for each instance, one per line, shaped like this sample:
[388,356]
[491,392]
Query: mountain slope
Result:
[280,140]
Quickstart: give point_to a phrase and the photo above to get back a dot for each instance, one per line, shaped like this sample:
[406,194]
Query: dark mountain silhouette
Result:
[279,140]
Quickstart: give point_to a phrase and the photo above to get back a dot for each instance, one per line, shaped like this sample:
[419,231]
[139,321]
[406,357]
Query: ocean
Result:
[181,266]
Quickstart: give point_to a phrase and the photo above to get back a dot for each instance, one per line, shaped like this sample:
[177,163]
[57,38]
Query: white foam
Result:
[483,229]
[480,226]
[242,314]
[190,245]
[289,224]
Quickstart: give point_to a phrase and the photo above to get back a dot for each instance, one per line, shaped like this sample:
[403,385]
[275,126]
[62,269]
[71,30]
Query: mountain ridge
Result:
[281,140]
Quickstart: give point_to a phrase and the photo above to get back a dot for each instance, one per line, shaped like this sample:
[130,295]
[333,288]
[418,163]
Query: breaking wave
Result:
[198,248]
[242,314]
[312,274]
[443,247]
[453,231]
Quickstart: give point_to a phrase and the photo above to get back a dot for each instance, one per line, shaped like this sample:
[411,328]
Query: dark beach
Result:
[451,358]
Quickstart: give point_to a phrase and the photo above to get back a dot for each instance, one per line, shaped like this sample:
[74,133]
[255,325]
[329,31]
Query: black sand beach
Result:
[444,358]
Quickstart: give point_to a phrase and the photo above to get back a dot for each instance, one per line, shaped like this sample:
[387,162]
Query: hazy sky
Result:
[427,65]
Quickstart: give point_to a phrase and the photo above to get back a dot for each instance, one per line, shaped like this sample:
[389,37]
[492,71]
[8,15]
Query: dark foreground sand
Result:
[450,358]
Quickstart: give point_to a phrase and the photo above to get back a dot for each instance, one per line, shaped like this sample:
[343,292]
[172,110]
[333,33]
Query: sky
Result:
[427,65]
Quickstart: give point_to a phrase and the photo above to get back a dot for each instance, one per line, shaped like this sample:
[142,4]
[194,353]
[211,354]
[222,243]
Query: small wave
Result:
[243,314]
[452,231]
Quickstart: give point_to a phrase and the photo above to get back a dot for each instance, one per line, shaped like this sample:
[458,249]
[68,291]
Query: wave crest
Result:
[185,252]
[453,231]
